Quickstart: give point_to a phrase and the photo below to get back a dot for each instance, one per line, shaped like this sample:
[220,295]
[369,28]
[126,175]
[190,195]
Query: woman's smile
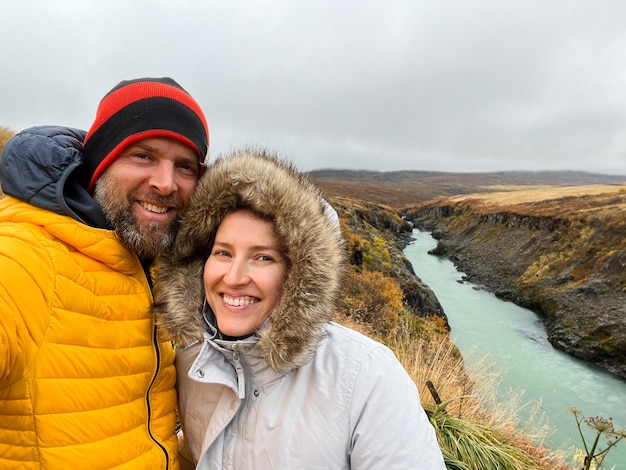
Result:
[239,301]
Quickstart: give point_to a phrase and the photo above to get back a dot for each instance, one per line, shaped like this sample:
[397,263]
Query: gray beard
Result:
[147,240]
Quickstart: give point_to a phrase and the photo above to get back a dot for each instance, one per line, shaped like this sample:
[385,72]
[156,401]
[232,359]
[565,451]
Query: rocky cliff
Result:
[560,252]
[376,237]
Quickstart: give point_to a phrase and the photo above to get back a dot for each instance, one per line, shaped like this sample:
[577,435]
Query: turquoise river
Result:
[515,342]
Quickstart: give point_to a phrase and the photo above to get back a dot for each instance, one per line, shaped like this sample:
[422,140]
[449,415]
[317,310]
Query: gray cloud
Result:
[409,84]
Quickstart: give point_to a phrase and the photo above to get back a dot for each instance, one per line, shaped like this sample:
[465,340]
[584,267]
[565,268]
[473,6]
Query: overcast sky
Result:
[462,85]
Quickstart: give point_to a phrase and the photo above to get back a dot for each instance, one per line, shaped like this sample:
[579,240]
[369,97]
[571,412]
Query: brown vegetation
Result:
[5,135]
[374,301]
[547,195]
[376,236]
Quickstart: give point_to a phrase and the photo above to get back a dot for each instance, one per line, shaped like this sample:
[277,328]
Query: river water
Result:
[514,339]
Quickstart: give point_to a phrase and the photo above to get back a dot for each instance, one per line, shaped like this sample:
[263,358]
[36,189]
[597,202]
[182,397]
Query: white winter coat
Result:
[351,407]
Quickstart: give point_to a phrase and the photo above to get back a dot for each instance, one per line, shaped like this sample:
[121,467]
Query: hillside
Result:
[560,251]
[401,189]
[383,298]
[568,244]
[376,236]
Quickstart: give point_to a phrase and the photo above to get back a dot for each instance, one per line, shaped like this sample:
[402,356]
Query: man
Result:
[85,381]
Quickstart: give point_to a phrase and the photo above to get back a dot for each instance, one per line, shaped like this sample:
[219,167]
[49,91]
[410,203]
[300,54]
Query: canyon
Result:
[558,251]
[554,243]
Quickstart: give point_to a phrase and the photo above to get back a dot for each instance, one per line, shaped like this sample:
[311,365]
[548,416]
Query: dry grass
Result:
[578,203]
[600,201]
[5,135]
[471,391]
[518,195]
[473,423]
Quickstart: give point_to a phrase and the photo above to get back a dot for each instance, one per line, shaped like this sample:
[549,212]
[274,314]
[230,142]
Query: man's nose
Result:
[163,178]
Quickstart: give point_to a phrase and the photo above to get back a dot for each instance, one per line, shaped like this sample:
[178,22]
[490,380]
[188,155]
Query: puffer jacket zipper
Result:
[155,342]
[146,266]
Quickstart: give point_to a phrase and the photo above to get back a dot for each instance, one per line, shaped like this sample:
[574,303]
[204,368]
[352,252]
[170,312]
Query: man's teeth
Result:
[239,301]
[153,208]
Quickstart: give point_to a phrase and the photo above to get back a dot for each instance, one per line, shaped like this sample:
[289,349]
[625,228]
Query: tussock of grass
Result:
[467,444]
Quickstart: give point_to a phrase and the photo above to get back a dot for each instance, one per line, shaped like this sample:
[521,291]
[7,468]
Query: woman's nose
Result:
[237,273]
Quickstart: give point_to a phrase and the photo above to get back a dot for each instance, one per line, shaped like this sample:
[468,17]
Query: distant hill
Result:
[402,189]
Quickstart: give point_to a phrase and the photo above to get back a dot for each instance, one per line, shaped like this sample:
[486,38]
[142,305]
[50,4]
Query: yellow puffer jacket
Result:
[83,381]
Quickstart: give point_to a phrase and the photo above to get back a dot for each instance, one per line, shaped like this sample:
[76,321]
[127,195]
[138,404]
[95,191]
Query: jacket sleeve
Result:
[24,308]
[390,429]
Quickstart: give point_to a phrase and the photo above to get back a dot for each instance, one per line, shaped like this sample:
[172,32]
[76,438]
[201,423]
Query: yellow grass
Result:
[471,389]
[517,196]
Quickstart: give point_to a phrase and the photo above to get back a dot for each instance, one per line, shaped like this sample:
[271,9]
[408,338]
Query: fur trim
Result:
[314,248]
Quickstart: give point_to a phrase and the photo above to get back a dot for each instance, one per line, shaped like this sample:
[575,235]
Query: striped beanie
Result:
[141,109]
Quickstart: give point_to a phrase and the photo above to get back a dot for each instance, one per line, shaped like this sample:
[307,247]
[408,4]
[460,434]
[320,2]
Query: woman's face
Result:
[244,273]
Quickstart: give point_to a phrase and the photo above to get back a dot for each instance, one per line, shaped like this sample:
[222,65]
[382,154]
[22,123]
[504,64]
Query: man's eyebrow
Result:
[150,148]
[142,145]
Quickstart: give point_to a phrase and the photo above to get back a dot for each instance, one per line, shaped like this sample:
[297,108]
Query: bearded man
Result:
[85,381]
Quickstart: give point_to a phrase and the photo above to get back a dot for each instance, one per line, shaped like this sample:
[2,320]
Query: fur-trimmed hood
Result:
[313,242]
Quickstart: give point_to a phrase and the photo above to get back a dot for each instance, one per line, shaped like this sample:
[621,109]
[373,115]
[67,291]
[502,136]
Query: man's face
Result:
[145,190]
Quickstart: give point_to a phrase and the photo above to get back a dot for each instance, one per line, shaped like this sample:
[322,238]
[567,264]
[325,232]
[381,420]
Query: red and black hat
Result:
[140,109]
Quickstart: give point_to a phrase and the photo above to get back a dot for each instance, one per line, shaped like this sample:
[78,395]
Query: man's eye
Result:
[188,168]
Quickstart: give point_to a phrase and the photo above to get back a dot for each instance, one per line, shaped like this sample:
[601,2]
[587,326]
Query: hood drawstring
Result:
[209,319]
[211,322]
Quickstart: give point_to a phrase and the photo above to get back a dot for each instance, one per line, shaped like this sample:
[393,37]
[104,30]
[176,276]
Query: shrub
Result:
[5,135]
[372,298]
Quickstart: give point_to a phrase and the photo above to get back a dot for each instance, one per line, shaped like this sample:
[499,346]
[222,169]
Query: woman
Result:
[266,380]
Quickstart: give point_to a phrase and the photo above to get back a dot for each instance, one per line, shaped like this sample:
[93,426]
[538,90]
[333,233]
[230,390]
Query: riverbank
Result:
[514,341]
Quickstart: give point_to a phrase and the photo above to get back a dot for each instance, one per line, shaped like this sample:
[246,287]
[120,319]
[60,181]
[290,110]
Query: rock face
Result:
[564,258]
[382,227]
